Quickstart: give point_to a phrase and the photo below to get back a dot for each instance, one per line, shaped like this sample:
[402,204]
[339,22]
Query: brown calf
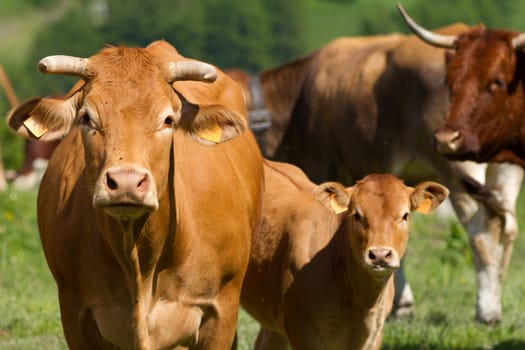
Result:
[321,269]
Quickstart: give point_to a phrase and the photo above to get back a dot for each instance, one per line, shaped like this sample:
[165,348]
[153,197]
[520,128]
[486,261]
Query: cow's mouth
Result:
[381,268]
[127,211]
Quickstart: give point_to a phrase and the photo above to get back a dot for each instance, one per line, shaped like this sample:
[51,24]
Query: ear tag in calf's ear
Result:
[34,127]
[338,208]
[213,133]
[425,206]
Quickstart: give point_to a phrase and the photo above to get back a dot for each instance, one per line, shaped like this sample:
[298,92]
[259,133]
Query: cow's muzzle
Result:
[382,259]
[126,192]
[448,141]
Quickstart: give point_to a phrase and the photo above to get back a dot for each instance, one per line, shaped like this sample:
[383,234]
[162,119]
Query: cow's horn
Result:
[444,41]
[61,64]
[191,70]
[518,42]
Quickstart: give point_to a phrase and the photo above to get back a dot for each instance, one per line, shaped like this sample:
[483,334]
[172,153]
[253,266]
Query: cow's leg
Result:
[269,340]
[80,329]
[491,232]
[495,247]
[218,327]
[403,298]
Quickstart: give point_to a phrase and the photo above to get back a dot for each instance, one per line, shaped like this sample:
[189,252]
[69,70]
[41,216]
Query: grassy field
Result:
[438,266]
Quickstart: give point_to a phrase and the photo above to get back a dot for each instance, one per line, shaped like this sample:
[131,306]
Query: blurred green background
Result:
[251,34]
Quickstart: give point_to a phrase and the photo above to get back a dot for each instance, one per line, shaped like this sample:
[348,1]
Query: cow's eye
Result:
[497,85]
[169,121]
[85,118]
[405,216]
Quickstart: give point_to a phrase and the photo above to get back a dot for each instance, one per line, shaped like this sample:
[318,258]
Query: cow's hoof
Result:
[402,313]
[491,319]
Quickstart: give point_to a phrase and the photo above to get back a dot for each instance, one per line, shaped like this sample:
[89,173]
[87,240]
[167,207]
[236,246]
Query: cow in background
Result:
[36,153]
[485,75]
[321,268]
[370,105]
[486,79]
[148,205]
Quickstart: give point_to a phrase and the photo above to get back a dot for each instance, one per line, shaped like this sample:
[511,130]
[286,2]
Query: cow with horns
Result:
[360,105]
[485,72]
[148,205]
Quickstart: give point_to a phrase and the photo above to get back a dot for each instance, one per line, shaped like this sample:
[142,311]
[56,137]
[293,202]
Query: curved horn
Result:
[61,64]
[444,41]
[518,42]
[191,70]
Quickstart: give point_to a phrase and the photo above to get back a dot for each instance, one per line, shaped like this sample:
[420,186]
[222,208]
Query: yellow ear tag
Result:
[213,133]
[337,208]
[425,206]
[35,127]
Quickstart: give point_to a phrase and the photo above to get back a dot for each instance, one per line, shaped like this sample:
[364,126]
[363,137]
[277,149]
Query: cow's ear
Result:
[333,195]
[211,124]
[427,196]
[43,119]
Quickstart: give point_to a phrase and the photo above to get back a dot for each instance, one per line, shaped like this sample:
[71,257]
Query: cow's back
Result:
[295,226]
[367,105]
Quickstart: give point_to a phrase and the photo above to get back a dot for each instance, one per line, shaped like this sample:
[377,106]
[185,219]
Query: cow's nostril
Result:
[112,184]
[371,255]
[143,184]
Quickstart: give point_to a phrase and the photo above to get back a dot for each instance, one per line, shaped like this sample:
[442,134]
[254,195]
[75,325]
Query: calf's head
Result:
[484,74]
[127,110]
[376,214]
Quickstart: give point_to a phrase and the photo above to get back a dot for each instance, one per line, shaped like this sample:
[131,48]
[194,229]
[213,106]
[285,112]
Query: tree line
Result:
[250,34]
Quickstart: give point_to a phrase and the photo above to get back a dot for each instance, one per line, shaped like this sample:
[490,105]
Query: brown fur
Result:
[486,80]
[161,278]
[308,282]
[371,104]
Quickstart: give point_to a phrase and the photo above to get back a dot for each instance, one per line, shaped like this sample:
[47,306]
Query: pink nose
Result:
[448,141]
[380,256]
[127,186]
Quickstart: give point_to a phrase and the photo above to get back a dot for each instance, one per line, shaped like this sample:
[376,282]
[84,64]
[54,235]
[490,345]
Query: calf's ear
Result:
[427,196]
[333,195]
[43,119]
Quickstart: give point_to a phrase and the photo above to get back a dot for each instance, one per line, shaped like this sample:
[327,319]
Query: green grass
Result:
[438,265]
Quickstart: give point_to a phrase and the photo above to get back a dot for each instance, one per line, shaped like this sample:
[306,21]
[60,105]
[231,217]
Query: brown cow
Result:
[485,76]
[370,105]
[145,211]
[320,271]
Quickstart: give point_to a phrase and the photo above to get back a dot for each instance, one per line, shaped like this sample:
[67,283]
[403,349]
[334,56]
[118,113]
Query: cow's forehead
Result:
[123,77]
[119,64]
[383,191]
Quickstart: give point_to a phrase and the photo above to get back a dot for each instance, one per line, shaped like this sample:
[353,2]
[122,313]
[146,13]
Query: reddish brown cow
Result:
[370,105]
[146,209]
[321,269]
[486,79]
[485,74]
